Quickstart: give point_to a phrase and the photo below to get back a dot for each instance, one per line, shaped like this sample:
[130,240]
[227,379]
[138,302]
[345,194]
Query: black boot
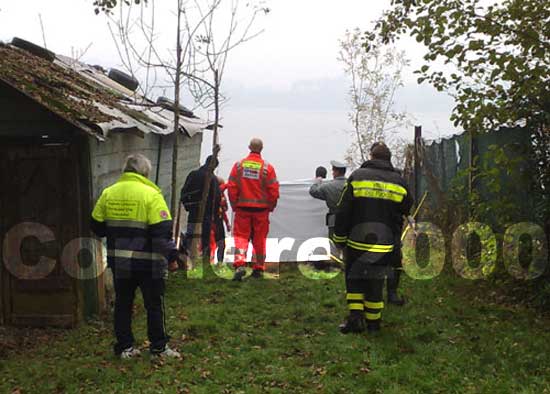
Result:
[393,284]
[394,299]
[373,327]
[354,324]
[257,274]
[239,274]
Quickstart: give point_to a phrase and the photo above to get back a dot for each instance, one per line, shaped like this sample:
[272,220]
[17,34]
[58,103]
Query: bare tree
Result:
[133,27]
[217,34]
[207,32]
[375,78]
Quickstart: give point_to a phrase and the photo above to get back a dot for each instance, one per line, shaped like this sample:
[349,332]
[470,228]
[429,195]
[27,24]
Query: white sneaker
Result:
[131,352]
[170,353]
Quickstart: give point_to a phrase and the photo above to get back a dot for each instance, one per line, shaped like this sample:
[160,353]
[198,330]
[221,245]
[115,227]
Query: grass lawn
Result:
[281,336]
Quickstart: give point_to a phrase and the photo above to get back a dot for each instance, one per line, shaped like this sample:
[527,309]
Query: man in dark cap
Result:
[330,191]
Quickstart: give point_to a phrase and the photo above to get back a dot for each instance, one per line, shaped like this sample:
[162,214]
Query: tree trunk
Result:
[196,258]
[174,200]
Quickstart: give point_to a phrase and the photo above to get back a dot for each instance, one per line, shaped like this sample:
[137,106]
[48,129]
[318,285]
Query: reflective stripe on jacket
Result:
[134,217]
[253,184]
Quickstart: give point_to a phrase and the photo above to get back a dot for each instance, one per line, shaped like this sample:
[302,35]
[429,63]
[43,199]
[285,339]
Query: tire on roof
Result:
[124,79]
[166,103]
[36,50]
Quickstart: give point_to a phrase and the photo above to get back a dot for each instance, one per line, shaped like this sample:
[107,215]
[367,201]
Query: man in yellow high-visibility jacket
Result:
[133,216]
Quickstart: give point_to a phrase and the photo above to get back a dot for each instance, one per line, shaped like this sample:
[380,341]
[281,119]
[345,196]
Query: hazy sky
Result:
[285,86]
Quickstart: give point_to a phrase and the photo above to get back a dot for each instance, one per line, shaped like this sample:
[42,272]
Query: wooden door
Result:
[39,186]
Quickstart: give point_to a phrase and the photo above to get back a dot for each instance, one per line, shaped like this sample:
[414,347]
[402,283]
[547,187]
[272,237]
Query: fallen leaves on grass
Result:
[320,371]
[18,339]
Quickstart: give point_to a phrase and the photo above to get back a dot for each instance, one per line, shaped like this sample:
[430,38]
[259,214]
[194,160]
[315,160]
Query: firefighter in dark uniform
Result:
[133,215]
[373,197]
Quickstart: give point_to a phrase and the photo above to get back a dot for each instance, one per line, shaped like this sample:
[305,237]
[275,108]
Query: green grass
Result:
[280,336]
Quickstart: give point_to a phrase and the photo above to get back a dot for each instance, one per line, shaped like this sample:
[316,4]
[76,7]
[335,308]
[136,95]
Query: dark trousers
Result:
[221,250]
[188,236]
[219,237]
[365,284]
[152,290]
[394,274]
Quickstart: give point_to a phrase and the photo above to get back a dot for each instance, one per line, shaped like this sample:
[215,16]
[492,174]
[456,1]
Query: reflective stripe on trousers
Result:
[374,248]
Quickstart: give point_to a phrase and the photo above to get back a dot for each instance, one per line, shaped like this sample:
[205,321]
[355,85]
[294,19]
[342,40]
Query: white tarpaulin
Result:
[297,224]
[297,227]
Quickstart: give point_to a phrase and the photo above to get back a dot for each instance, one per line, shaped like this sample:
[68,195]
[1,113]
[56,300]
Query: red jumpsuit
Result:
[253,193]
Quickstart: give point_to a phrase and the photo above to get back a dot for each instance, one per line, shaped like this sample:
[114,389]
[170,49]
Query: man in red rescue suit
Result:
[253,193]
[374,196]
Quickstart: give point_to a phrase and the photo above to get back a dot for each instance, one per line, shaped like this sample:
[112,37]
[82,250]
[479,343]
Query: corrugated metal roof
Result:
[86,97]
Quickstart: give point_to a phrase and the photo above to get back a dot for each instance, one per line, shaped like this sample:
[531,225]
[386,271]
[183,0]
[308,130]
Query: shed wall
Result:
[107,159]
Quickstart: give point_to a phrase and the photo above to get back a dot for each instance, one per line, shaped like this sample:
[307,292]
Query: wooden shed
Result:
[65,130]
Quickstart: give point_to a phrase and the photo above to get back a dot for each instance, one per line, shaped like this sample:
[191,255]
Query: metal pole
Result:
[417,146]
[159,154]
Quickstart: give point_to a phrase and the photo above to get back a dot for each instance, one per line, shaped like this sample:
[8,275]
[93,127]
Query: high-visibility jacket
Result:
[253,184]
[373,201]
[133,215]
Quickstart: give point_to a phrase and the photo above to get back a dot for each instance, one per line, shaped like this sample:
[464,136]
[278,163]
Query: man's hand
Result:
[173,266]
[412,224]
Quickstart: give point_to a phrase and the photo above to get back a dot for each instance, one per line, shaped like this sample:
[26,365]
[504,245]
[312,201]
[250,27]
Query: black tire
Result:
[166,103]
[99,68]
[36,50]
[124,79]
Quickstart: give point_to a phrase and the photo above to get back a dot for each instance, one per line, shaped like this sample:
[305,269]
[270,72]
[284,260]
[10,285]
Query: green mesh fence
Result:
[445,164]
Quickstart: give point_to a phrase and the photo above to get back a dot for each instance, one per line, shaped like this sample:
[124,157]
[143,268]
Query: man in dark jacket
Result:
[373,197]
[191,195]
